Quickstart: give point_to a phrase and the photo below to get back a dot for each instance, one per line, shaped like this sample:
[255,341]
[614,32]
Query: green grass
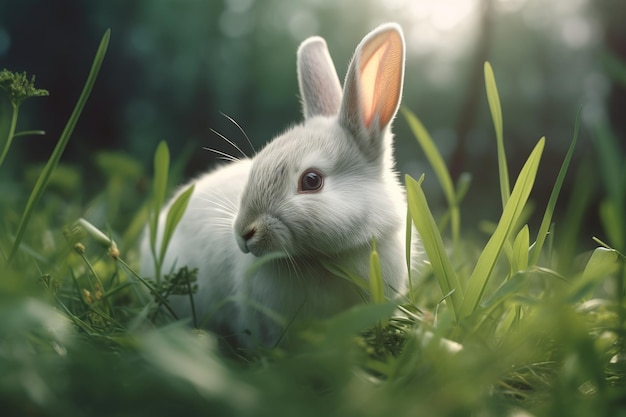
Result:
[541,327]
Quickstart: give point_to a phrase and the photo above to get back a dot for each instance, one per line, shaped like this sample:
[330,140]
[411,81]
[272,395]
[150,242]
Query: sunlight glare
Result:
[441,25]
[511,5]
[443,15]
[448,14]
[577,32]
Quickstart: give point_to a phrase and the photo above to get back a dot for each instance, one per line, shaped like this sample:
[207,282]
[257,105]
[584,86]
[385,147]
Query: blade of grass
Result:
[361,283]
[161,167]
[462,187]
[161,178]
[441,171]
[512,211]
[554,196]
[153,291]
[409,251]
[603,263]
[433,243]
[137,225]
[376,277]
[11,135]
[53,161]
[174,214]
[508,289]
[496,115]
[620,282]
[585,185]
[612,168]
[30,133]
[353,320]
[520,250]
[377,288]
[610,217]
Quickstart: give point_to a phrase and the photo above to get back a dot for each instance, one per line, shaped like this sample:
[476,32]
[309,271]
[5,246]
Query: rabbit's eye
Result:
[311,181]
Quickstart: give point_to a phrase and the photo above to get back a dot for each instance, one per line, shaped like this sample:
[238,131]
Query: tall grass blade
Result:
[159,190]
[376,278]
[433,243]
[520,250]
[508,289]
[441,171]
[547,216]
[610,217]
[409,251]
[462,187]
[569,229]
[174,214]
[512,211]
[604,262]
[161,168]
[614,173]
[496,115]
[53,161]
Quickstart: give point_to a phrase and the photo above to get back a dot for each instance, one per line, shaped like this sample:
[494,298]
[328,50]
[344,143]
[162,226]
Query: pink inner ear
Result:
[380,80]
[370,83]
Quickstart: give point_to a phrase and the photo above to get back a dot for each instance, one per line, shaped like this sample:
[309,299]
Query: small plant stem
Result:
[150,288]
[11,135]
[157,268]
[155,257]
[95,275]
[30,132]
[620,278]
[193,305]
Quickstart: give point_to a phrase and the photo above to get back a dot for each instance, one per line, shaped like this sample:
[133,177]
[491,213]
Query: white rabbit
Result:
[320,192]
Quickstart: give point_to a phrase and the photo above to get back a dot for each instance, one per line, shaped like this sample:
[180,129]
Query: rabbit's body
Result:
[318,194]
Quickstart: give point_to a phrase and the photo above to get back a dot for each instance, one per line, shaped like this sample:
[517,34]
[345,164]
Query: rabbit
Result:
[321,192]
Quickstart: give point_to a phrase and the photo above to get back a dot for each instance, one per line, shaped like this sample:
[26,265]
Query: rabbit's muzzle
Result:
[263,235]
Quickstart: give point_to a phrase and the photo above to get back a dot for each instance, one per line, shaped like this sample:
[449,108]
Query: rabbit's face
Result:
[312,192]
[328,186]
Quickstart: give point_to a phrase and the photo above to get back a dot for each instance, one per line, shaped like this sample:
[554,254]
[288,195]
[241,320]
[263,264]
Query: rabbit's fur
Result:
[263,205]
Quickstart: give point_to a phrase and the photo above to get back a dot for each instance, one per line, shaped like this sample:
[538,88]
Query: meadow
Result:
[515,324]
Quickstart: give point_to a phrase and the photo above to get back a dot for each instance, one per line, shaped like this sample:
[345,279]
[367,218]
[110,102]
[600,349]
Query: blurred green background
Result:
[173,66]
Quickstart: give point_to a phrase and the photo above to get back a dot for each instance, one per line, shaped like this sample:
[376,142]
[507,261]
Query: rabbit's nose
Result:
[249,234]
[244,238]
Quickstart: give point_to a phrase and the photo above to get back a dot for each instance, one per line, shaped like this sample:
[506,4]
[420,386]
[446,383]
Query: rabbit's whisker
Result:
[219,199]
[224,155]
[292,265]
[220,208]
[230,142]
[240,129]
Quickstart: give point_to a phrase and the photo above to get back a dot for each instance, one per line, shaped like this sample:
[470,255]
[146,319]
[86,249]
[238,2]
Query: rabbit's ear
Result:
[318,80]
[373,87]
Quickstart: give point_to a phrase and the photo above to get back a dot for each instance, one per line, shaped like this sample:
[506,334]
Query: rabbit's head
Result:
[328,185]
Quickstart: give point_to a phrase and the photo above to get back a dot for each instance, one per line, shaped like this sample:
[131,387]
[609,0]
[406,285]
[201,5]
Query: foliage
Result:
[18,88]
[17,94]
[174,212]
[82,333]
